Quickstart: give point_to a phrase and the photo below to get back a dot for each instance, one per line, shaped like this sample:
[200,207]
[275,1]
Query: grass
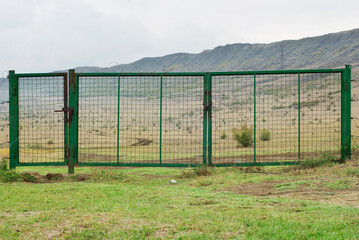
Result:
[141,203]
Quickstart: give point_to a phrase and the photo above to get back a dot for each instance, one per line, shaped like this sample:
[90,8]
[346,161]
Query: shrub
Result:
[223,135]
[4,165]
[265,135]
[7,175]
[244,136]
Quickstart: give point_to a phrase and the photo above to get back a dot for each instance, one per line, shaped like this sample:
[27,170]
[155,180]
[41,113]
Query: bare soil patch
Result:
[345,197]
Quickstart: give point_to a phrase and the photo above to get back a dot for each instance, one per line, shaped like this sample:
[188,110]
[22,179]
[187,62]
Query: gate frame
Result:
[74,101]
[71,128]
[14,119]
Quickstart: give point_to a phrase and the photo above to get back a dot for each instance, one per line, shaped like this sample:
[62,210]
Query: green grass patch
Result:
[141,203]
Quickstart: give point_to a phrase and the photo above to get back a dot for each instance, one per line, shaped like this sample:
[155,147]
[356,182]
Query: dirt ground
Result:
[344,197]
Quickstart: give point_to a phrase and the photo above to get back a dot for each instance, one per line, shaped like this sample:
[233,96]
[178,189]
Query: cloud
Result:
[47,35]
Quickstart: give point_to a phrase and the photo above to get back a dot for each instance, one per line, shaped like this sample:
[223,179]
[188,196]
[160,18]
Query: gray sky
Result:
[48,35]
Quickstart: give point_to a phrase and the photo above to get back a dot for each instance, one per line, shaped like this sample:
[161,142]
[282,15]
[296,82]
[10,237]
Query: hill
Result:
[327,51]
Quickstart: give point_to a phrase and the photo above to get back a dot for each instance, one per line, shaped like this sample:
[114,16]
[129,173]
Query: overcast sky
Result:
[48,35]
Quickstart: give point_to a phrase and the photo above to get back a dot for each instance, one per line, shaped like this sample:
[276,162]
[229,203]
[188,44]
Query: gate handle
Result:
[70,110]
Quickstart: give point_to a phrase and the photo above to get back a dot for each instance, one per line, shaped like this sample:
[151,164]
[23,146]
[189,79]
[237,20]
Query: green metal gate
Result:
[179,119]
[38,131]
[139,119]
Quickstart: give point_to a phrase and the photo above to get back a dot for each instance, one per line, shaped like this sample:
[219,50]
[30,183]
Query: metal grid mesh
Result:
[139,125]
[277,117]
[41,130]
[182,119]
[232,111]
[97,119]
[156,119]
[283,130]
[120,119]
[4,118]
[320,114]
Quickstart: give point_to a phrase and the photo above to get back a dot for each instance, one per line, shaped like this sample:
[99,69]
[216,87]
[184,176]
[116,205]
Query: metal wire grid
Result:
[139,119]
[159,119]
[284,130]
[232,112]
[4,117]
[320,112]
[277,121]
[97,119]
[182,119]
[41,130]
[120,119]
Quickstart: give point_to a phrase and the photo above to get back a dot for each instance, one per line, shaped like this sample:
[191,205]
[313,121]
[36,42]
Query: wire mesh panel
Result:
[41,129]
[297,116]
[182,119]
[97,119]
[139,119]
[320,111]
[232,115]
[4,118]
[277,118]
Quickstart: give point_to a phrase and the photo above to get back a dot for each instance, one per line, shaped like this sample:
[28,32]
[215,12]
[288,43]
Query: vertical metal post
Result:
[161,91]
[298,116]
[13,119]
[346,113]
[209,103]
[66,117]
[255,120]
[118,119]
[73,124]
[205,89]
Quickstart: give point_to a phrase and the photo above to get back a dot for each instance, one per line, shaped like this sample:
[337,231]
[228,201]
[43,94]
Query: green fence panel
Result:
[38,133]
[140,119]
[179,119]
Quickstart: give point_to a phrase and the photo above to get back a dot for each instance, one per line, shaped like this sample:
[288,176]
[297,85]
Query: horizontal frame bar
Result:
[40,74]
[42,164]
[216,73]
[187,165]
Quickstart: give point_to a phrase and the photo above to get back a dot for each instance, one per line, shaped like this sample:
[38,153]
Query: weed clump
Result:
[105,175]
[7,175]
[312,163]
[201,170]
[243,136]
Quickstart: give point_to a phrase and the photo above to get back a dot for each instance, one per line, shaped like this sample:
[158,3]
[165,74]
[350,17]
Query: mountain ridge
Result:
[331,50]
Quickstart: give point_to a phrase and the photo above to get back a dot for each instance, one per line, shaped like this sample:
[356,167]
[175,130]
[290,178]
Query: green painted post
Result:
[205,86]
[13,119]
[66,115]
[298,116]
[209,102]
[118,119]
[161,91]
[346,113]
[73,124]
[255,120]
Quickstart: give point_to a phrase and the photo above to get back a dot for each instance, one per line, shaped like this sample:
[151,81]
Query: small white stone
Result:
[173,181]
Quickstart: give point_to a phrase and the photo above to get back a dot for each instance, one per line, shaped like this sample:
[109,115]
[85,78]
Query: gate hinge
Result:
[67,152]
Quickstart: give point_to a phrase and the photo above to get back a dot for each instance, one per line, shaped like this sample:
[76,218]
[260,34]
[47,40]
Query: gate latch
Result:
[70,113]
[206,107]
